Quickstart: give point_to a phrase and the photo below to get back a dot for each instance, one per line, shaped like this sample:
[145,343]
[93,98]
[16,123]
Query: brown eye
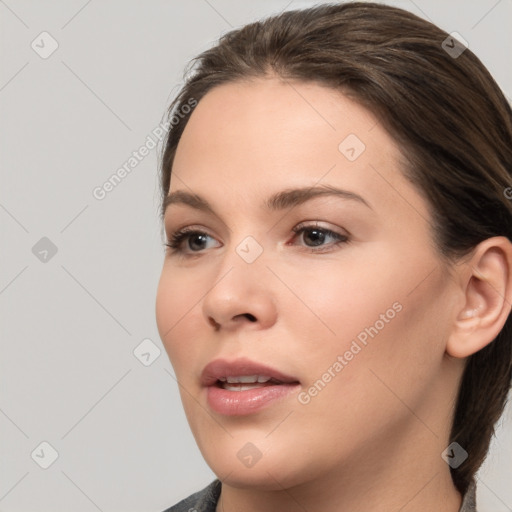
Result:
[196,241]
[315,236]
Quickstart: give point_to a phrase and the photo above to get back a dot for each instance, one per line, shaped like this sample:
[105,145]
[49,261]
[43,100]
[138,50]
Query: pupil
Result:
[195,238]
[318,236]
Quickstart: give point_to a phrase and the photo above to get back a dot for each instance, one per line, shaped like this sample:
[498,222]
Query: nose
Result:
[241,296]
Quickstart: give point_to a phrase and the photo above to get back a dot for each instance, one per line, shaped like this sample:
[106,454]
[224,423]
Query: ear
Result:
[486,284]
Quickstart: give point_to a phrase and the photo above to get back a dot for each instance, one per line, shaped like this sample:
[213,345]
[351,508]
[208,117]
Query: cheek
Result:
[176,304]
[335,300]
[372,320]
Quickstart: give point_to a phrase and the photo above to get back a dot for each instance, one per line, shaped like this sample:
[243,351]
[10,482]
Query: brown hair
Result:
[449,117]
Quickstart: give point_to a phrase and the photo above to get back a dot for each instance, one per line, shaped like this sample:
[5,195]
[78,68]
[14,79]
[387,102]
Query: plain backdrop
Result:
[86,386]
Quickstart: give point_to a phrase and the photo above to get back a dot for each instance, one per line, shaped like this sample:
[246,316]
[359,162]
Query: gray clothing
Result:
[206,500]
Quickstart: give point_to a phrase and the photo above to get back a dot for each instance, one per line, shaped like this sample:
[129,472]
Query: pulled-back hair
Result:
[447,115]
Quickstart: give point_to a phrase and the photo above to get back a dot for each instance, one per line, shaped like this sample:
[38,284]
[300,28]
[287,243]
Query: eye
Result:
[196,240]
[315,236]
[189,241]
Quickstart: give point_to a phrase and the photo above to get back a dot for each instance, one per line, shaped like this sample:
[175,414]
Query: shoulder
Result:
[201,501]
[206,500]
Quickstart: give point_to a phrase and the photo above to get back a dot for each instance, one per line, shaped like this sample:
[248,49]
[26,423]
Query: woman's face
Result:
[343,292]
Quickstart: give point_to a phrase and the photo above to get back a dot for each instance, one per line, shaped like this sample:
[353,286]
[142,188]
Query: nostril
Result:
[213,323]
[216,325]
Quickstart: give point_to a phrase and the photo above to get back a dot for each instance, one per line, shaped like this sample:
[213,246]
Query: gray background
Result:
[70,324]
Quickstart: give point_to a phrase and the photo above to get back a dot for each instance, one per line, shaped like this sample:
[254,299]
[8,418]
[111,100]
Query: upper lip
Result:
[240,367]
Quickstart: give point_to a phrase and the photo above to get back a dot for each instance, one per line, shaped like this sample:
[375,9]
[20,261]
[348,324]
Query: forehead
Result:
[271,117]
[266,135]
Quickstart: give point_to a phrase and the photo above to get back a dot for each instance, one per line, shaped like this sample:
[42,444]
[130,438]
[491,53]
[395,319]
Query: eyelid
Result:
[318,224]
[187,228]
[197,215]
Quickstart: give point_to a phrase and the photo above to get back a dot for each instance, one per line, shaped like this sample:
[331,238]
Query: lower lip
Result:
[237,403]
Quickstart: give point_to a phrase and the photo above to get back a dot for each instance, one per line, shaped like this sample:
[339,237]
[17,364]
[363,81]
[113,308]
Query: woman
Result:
[335,297]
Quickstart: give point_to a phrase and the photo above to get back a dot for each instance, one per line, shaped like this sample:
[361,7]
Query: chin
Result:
[262,478]
[267,469]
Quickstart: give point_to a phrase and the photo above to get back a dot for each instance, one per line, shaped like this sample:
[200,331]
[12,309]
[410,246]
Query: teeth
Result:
[238,387]
[245,379]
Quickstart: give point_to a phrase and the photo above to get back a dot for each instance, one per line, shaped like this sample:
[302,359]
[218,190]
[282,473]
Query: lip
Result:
[240,367]
[238,403]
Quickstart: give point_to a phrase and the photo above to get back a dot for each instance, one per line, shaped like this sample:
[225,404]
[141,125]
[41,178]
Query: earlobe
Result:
[487,287]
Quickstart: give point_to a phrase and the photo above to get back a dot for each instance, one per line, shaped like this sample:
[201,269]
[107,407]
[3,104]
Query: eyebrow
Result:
[281,200]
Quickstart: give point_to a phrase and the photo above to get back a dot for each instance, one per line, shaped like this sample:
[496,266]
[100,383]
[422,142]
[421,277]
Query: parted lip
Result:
[218,368]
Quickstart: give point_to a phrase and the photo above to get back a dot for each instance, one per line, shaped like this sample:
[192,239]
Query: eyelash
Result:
[177,238]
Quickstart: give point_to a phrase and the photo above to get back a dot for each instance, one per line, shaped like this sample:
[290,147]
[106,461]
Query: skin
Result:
[372,438]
